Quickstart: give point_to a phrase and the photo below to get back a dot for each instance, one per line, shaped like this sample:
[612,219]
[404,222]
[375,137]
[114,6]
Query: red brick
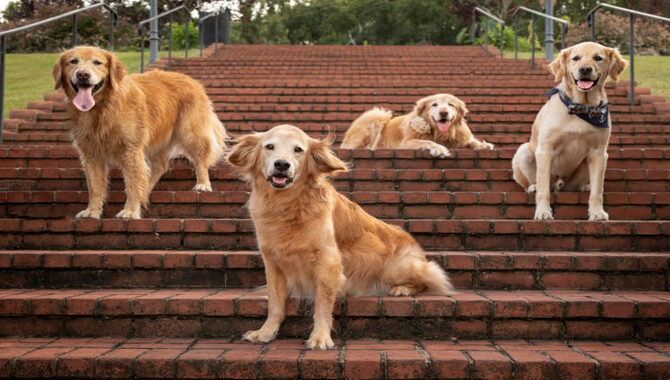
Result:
[572,365]
[199,364]
[531,365]
[449,364]
[320,364]
[79,362]
[239,364]
[279,364]
[405,364]
[362,364]
[491,365]
[38,363]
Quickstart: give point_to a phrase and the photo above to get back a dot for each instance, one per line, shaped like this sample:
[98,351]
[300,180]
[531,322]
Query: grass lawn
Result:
[652,71]
[28,76]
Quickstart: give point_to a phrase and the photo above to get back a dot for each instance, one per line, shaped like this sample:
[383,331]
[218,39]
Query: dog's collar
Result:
[596,116]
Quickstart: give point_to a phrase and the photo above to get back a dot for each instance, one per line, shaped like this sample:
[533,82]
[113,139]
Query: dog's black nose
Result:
[585,70]
[282,165]
[444,114]
[83,75]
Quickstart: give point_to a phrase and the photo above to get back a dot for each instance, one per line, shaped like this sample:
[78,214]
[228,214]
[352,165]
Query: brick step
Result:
[385,204]
[228,313]
[189,358]
[432,234]
[243,269]
[49,156]
[225,179]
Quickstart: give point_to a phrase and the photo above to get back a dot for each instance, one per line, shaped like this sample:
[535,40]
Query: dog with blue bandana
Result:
[568,143]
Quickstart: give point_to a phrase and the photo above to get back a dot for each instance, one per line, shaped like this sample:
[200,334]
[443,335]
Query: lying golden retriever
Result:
[568,143]
[436,123]
[315,242]
[136,122]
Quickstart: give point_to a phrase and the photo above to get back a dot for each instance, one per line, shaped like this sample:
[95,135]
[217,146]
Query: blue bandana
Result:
[596,116]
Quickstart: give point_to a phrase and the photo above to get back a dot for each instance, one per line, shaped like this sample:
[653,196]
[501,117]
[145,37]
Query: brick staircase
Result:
[170,295]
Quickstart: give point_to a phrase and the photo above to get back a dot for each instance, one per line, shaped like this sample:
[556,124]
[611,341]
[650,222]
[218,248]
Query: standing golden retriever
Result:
[136,122]
[436,123]
[315,242]
[568,142]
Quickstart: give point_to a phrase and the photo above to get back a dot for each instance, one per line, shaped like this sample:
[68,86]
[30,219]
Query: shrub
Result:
[178,32]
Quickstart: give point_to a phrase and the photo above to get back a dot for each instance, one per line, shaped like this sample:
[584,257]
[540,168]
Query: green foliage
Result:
[508,37]
[178,33]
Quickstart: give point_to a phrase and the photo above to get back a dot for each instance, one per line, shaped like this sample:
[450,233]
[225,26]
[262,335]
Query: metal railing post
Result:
[187,37]
[170,42]
[502,37]
[486,37]
[562,37]
[516,36]
[142,52]
[474,28]
[216,34]
[532,41]
[592,20]
[111,31]
[74,30]
[2,83]
[200,36]
[632,60]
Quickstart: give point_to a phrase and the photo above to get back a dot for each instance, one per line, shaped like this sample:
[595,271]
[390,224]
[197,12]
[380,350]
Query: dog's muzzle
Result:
[586,84]
[279,180]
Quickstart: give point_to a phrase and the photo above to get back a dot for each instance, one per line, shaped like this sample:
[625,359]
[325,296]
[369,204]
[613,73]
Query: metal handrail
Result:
[564,29]
[591,17]
[216,30]
[169,13]
[488,13]
[73,13]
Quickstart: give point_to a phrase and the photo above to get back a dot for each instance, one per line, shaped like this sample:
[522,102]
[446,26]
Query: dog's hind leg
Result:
[159,164]
[523,168]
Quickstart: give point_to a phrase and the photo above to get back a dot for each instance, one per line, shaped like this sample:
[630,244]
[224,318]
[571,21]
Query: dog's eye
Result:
[434,105]
[74,61]
[97,63]
[297,149]
[451,104]
[270,147]
[598,58]
[575,58]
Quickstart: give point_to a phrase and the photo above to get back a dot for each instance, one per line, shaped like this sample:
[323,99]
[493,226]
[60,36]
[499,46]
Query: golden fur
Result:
[565,150]
[378,129]
[315,242]
[138,122]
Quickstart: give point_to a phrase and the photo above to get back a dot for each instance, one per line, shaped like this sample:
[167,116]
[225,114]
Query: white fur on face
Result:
[90,65]
[436,106]
[285,143]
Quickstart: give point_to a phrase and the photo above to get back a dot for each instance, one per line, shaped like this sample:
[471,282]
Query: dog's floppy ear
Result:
[117,70]
[558,65]
[323,158]
[58,74]
[617,63]
[243,154]
[420,106]
[461,107]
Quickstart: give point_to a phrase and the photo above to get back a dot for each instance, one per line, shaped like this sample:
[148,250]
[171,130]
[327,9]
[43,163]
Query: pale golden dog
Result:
[315,242]
[136,122]
[436,123]
[565,150]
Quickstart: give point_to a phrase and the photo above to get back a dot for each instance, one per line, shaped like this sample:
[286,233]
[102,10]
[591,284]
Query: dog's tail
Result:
[365,131]
[220,139]
[436,280]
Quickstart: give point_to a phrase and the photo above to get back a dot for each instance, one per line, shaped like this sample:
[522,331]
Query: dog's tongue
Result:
[279,180]
[584,84]
[443,125]
[84,99]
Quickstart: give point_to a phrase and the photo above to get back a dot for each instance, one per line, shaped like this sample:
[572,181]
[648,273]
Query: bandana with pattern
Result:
[596,116]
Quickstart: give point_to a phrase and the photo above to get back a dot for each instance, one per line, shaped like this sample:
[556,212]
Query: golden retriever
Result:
[436,123]
[315,242]
[136,122]
[564,149]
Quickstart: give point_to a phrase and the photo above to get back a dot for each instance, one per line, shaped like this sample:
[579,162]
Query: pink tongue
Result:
[443,126]
[584,84]
[279,181]
[84,99]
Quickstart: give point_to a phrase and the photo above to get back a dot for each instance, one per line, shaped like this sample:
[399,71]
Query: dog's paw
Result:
[320,341]
[543,214]
[88,213]
[531,189]
[598,215]
[202,187]
[439,151]
[259,335]
[128,214]
[401,290]
[485,145]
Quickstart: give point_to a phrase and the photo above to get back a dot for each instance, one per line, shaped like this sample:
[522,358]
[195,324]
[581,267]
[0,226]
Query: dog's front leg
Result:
[329,281]
[276,305]
[136,177]
[597,161]
[543,158]
[96,180]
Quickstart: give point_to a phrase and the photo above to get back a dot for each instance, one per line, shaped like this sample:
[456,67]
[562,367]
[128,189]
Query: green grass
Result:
[28,76]
[650,71]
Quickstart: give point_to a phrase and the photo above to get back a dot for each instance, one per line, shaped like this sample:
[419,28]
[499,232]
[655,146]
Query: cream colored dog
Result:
[436,124]
[315,242]
[564,149]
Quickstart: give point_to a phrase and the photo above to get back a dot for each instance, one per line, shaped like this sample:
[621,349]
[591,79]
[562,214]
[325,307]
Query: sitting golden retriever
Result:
[315,242]
[568,142]
[136,122]
[436,123]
